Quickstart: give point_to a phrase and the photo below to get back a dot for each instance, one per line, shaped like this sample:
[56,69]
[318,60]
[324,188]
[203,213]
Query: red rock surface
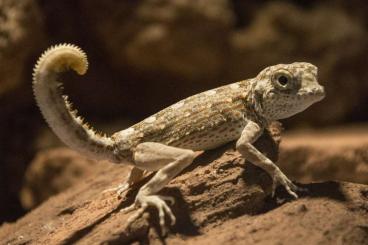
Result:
[338,153]
[217,187]
[220,199]
[51,172]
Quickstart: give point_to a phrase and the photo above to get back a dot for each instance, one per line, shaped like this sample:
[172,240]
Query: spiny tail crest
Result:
[80,65]
[57,109]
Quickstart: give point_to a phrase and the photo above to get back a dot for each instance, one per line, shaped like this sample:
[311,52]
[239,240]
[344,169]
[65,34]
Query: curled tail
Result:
[56,108]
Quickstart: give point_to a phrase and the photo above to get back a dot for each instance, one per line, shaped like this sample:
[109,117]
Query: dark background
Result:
[145,55]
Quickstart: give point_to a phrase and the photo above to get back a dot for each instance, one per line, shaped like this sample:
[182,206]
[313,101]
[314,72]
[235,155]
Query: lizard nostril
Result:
[318,91]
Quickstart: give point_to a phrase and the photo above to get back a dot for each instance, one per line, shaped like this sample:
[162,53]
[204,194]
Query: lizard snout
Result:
[319,91]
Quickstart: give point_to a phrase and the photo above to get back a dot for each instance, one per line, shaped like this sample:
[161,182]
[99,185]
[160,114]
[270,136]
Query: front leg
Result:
[250,134]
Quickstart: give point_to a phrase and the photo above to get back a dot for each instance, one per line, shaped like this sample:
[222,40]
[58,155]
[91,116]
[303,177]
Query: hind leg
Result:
[134,177]
[168,162]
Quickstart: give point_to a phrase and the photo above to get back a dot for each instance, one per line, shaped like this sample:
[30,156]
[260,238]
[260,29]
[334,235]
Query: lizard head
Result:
[283,90]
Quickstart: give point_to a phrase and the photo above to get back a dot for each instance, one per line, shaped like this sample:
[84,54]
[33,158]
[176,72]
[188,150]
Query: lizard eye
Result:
[282,79]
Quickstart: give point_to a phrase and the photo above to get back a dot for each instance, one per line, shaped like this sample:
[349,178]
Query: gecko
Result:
[167,142]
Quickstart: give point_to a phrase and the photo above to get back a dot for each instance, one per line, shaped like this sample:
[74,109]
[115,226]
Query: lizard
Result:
[167,142]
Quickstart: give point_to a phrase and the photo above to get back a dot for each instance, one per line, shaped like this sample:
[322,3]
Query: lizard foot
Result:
[134,177]
[157,201]
[120,189]
[279,178]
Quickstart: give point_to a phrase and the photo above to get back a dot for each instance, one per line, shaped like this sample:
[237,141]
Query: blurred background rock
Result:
[145,55]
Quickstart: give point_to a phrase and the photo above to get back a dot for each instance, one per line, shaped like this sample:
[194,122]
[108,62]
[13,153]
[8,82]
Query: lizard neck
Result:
[254,104]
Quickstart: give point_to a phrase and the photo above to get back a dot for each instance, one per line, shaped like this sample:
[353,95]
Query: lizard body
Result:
[200,122]
[165,142]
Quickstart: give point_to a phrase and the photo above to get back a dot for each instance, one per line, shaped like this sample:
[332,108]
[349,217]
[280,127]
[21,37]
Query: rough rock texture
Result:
[305,156]
[331,213]
[217,187]
[51,172]
[220,199]
[321,155]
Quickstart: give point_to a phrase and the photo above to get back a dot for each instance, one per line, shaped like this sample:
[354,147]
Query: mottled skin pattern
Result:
[200,122]
[165,142]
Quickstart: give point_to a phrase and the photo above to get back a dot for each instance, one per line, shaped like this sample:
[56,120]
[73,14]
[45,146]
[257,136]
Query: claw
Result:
[128,209]
[279,178]
[110,189]
[159,203]
[120,189]
[171,215]
[273,188]
[137,215]
[169,199]
[292,193]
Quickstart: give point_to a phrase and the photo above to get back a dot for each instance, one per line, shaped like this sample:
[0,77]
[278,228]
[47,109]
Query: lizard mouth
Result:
[321,92]
[315,93]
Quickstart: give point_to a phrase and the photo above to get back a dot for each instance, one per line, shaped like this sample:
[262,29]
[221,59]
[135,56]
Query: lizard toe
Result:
[163,209]
[120,189]
[279,178]
[129,208]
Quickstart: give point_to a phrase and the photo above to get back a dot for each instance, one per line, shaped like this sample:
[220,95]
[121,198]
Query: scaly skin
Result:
[165,142]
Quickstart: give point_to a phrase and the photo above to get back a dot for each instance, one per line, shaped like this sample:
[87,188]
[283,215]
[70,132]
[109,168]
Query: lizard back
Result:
[200,122]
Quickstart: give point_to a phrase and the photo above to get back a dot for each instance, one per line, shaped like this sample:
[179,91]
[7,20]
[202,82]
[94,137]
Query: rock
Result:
[20,35]
[51,172]
[219,186]
[326,36]
[164,36]
[339,153]
[331,213]
[219,199]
